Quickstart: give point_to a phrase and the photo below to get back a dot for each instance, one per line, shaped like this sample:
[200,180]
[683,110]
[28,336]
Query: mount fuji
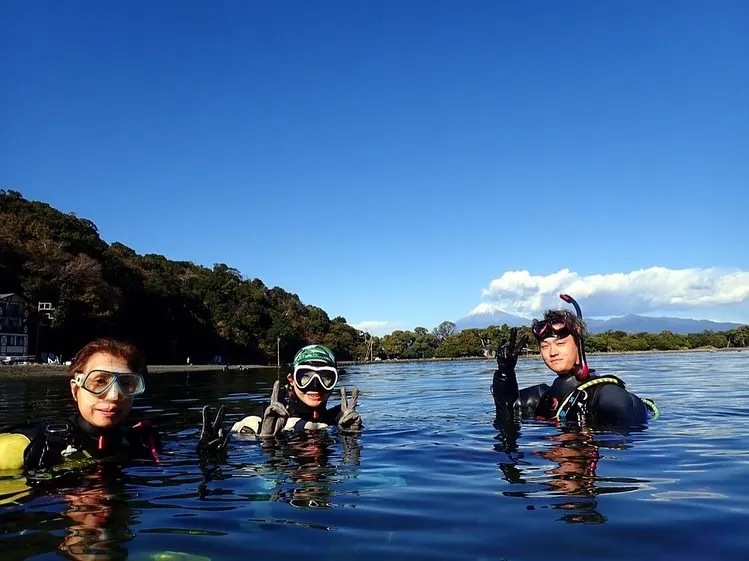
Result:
[486,314]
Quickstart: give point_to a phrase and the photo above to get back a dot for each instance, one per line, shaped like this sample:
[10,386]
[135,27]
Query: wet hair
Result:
[135,359]
[576,326]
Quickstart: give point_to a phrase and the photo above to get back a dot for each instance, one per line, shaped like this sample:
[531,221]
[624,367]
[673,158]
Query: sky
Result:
[400,162]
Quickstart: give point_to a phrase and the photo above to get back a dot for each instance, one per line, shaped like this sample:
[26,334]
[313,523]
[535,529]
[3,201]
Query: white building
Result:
[14,328]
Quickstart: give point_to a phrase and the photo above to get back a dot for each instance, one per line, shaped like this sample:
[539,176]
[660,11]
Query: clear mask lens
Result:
[100,381]
[305,375]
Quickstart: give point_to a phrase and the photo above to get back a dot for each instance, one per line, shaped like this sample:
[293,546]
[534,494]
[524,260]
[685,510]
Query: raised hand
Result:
[275,415]
[213,438]
[508,353]
[350,420]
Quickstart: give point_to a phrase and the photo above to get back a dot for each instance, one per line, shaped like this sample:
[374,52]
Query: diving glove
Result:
[349,420]
[213,438]
[275,415]
[508,353]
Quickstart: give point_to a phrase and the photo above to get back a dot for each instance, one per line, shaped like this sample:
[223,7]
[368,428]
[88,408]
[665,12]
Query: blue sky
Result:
[388,160]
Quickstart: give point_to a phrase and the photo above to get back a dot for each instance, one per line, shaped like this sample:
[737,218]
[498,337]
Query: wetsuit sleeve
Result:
[615,406]
[505,392]
[252,422]
[530,397]
[509,400]
[12,448]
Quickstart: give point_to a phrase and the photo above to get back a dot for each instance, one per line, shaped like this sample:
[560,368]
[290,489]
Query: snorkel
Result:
[582,372]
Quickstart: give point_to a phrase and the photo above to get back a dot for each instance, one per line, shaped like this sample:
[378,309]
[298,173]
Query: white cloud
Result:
[637,292]
[375,327]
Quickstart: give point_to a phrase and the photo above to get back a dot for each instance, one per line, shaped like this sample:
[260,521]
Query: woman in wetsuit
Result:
[577,394]
[106,376]
[302,406]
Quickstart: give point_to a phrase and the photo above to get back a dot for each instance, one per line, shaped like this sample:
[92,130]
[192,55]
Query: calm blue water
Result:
[430,477]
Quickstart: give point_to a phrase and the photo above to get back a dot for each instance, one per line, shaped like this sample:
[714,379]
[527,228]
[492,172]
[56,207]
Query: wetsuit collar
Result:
[95,433]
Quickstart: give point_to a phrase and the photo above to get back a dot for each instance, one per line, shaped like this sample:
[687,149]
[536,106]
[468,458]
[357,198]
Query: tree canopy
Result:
[171,309]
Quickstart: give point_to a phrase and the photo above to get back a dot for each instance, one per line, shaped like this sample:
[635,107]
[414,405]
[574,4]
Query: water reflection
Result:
[575,453]
[90,511]
[308,466]
[99,518]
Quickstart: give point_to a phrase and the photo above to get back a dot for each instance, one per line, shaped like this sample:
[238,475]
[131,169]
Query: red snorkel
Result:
[582,372]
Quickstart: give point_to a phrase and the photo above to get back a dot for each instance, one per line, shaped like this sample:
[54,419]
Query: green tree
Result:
[444,330]
[467,343]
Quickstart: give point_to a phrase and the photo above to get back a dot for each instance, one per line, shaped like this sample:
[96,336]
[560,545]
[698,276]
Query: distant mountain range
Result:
[486,314]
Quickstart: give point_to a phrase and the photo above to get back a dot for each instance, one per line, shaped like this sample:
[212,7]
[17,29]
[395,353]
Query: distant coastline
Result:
[537,356]
[54,370]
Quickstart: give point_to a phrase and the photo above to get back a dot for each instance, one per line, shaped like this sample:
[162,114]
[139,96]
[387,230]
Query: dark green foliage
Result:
[171,309]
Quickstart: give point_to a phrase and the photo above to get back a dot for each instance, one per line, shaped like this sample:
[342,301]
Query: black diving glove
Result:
[505,383]
[275,415]
[508,353]
[350,420]
[46,448]
[213,438]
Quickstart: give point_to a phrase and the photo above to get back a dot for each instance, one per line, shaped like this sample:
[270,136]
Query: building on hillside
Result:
[14,326]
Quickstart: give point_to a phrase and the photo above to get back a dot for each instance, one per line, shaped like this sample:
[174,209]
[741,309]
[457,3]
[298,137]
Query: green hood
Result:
[319,355]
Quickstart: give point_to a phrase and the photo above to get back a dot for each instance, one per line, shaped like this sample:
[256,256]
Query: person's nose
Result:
[114,393]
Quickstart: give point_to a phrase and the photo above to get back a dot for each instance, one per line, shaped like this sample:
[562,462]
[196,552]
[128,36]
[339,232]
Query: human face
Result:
[560,355]
[109,408]
[312,399]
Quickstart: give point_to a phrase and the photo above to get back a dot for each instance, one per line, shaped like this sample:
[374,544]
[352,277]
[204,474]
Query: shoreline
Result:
[537,356]
[57,370]
[54,370]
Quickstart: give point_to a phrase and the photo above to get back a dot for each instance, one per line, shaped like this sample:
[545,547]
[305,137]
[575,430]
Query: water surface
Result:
[431,477]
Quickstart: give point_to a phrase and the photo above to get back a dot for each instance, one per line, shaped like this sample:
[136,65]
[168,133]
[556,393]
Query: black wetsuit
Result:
[600,404]
[49,438]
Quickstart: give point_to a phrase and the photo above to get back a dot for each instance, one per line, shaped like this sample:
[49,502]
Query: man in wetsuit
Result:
[577,395]
[311,381]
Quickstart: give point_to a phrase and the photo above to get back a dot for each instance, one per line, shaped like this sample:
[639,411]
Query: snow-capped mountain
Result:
[486,314]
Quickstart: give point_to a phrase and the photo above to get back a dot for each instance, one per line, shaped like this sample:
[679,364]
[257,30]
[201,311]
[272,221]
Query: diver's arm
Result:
[505,382]
[615,406]
[530,398]
[505,392]
[524,404]
[251,423]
